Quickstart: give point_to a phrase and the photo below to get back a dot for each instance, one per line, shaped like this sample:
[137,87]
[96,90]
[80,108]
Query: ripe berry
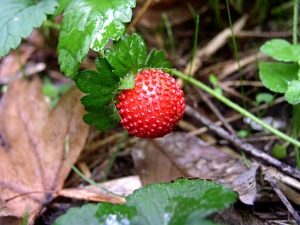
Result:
[153,107]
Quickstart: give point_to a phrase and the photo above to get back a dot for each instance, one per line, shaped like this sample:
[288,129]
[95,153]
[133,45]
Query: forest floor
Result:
[193,149]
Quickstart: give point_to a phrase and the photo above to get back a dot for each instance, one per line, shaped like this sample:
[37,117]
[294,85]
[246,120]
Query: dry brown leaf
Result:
[33,144]
[152,164]
[179,154]
[122,186]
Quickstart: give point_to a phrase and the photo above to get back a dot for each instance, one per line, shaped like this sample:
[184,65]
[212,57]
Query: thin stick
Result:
[282,197]
[239,116]
[248,148]
[216,112]
[139,15]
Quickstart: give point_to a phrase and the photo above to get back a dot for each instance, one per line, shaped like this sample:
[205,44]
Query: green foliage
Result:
[282,77]
[156,59]
[264,97]
[180,202]
[18,18]
[280,151]
[90,24]
[116,71]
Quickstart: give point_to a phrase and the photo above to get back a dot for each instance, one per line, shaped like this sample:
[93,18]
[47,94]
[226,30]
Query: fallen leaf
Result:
[32,154]
[122,186]
[179,154]
[152,163]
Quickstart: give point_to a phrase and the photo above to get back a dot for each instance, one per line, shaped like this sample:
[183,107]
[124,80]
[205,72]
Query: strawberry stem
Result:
[234,106]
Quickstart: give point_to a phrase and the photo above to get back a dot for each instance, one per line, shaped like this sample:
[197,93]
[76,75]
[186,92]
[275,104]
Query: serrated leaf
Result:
[277,76]
[156,59]
[18,18]
[281,50]
[89,81]
[182,202]
[292,95]
[90,24]
[128,55]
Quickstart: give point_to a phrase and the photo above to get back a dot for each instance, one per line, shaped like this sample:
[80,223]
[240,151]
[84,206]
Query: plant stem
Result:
[234,106]
[295,22]
[296,108]
[296,128]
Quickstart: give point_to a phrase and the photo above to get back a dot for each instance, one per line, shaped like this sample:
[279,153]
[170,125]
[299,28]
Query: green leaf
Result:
[128,55]
[90,24]
[280,151]
[18,18]
[281,50]
[79,216]
[264,97]
[292,95]
[277,76]
[62,4]
[156,59]
[109,214]
[183,201]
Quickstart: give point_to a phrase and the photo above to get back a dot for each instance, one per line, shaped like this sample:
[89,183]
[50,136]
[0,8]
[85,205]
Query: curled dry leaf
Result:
[32,150]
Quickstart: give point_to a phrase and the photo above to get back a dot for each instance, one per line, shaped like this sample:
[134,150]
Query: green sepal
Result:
[156,59]
[104,119]
[127,82]
[101,88]
[128,55]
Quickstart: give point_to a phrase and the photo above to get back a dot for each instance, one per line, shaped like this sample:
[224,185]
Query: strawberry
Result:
[153,107]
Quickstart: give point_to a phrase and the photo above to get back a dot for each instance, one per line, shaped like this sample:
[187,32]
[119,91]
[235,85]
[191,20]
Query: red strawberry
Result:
[153,107]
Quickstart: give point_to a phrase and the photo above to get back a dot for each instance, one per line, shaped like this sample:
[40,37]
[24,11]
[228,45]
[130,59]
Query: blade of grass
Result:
[170,34]
[236,56]
[114,156]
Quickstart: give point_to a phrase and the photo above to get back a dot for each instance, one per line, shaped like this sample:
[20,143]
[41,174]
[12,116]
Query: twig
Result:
[239,116]
[216,111]
[139,15]
[282,197]
[248,148]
